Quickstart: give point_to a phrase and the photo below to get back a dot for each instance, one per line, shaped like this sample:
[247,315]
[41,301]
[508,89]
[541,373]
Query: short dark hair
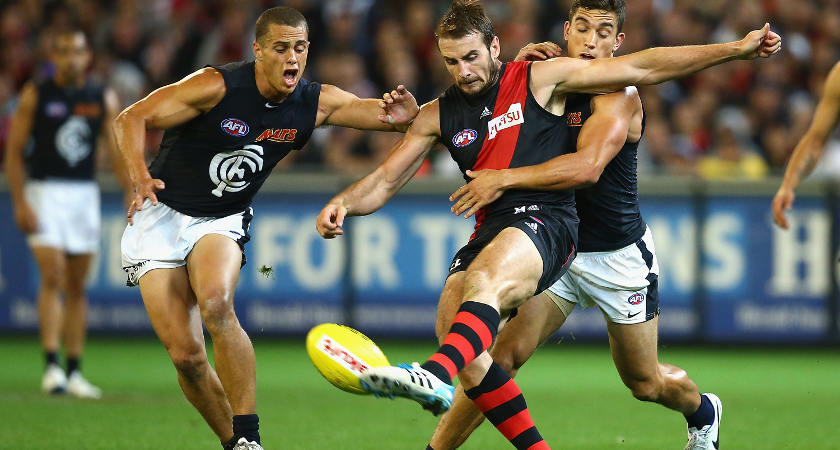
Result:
[280,15]
[465,17]
[616,6]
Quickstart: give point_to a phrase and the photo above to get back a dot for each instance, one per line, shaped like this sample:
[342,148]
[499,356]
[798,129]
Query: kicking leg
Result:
[213,267]
[537,319]
[172,309]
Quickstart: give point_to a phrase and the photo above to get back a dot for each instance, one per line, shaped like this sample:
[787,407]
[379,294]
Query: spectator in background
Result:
[139,45]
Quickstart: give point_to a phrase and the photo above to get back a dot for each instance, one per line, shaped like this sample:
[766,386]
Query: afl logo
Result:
[234,127]
[636,298]
[465,138]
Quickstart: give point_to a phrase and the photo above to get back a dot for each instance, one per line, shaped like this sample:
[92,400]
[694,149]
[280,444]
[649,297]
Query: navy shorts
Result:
[553,231]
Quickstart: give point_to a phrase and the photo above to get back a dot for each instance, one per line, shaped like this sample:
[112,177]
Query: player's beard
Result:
[494,71]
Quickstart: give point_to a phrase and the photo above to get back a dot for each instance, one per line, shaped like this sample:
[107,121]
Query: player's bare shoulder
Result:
[626,103]
[427,122]
[205,86]
[331,99]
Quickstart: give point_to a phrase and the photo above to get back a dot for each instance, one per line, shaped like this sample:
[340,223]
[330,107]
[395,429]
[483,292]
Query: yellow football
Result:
[341,354]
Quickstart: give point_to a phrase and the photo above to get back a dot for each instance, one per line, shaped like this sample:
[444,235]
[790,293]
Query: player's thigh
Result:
[52,265]
[78,267]
[172,310]
[449,303]
[535,321]
[213,266]
[634,349]
[508,270]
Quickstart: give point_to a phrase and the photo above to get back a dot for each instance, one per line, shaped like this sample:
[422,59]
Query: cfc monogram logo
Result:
[228,169]
[573,119]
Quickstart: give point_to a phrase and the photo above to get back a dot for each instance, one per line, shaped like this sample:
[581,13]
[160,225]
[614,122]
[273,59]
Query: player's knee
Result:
[75,290]
[217,311]
[191,365]
[52,279]
[485,285]
[646,390]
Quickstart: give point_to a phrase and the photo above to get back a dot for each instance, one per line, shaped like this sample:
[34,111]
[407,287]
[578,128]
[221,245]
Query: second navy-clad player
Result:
[227,127]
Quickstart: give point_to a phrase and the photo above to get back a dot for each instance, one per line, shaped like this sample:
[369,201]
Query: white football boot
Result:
[54,380]
[243,444]
[78,386]
[708,437]
[409,381]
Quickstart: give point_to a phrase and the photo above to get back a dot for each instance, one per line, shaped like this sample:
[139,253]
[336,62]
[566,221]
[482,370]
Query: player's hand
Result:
[330,220]
[144,189]
[783,201]
[761,43]
[485,188]
[400,108]
[25,218]
[539,52]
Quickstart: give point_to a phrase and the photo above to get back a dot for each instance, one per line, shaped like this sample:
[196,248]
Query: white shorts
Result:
[68,214]
[623,283]
[161,238]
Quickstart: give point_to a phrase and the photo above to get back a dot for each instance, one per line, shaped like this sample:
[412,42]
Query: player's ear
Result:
[495,47]
[566,27]
[618,41]
[257,51]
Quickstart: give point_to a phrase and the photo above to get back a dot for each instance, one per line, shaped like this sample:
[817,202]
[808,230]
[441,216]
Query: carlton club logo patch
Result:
[465,138]
[636,298]
[233,171]
[234,127]
[573,119]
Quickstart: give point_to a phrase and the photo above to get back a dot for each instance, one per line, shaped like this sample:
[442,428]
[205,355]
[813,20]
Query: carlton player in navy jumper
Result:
[226,129]
[57,207]
[616,266]
[494,118]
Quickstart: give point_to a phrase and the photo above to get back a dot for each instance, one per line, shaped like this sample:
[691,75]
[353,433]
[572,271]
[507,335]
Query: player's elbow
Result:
[588,175]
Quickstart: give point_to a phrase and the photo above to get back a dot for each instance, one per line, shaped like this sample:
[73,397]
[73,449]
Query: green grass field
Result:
[773,399]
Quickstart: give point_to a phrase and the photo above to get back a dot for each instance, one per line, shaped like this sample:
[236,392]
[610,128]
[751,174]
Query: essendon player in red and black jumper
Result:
[502,128]
[511,265]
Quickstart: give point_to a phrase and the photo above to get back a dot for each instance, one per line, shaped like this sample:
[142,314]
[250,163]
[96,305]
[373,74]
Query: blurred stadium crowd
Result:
[738,120]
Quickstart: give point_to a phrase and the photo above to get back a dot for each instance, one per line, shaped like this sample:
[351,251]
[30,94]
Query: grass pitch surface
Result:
[773,399]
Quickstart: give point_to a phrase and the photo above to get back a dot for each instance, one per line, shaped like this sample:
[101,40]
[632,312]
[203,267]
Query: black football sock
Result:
[51,358]
[704,415]
[73,364]
[247,426]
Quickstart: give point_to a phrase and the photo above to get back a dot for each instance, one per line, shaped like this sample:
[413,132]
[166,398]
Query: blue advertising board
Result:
[727,274]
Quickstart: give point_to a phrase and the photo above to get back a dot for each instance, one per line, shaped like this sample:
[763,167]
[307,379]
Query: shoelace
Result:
[698,438]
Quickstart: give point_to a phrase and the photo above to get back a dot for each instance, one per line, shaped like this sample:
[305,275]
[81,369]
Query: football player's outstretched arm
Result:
[393,112]
[601,138]
[810,147]
[166,107]
[374,190]
[649,66]
[19,133]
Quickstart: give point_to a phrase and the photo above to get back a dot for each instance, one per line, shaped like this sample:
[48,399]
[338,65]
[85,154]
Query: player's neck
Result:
[68,82]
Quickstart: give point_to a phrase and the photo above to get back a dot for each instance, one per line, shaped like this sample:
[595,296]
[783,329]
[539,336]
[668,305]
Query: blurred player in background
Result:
[494,117]
[56,199]
[616,266]
[810,147]
[227,127]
